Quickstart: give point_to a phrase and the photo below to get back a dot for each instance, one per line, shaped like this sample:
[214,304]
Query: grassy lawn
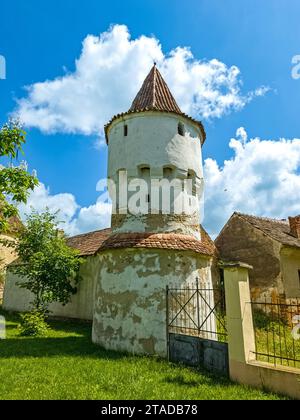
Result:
[66,365]
[274,337]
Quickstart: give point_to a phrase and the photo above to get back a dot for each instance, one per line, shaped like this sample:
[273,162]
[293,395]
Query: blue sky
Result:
[41,41]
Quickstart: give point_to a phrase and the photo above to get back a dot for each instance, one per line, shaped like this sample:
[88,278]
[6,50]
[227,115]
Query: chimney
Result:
[295,226]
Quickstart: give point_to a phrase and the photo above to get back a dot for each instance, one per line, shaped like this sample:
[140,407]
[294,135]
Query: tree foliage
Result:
[48,266]
[15,181]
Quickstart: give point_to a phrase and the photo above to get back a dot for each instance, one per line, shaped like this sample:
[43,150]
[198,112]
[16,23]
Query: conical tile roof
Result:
[155,94]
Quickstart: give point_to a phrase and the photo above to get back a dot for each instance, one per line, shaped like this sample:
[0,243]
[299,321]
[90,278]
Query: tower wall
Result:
[153,149]
[152,143]
[130,300]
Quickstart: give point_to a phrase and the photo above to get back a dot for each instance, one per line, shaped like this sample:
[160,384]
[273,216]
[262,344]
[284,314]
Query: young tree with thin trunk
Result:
[48,266]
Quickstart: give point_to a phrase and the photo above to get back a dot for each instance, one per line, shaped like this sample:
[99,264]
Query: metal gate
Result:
[196,327]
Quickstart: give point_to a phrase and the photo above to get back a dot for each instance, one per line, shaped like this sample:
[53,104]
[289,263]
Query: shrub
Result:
[33,324]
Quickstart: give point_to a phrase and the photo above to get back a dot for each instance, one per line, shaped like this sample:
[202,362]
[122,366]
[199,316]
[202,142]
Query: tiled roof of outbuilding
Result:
[277,229]
[89,243]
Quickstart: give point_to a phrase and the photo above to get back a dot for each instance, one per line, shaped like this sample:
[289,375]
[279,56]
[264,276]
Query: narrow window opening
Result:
[144,171]
[125,130]
[299,277]
[181,129]
[191,175]
[167,172]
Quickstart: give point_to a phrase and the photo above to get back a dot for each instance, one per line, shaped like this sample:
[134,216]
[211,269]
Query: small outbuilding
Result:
[271,246]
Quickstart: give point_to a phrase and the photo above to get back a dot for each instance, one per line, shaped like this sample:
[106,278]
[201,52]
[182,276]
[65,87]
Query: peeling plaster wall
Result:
[130,300]
[159,223]
[153,141]
[7,255]
[290,262]
[81,305]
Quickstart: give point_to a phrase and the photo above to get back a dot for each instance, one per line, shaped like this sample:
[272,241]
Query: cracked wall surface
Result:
[130,300]
[158,223]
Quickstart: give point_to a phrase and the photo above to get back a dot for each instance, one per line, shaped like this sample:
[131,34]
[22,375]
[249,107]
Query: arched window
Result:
[144,174]
[168,172]
[125,130]
[181,129]
[144,171]
[192,175]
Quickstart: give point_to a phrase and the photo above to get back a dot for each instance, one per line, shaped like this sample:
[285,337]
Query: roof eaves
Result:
[124,114]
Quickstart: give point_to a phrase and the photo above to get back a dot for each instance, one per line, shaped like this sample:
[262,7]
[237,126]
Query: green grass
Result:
[274,337]
[66,365]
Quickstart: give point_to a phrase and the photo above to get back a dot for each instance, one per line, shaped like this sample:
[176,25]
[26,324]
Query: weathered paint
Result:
[290,265]
[130,300]
[81,305]
[239,241]
[153,141]
[7,255]
[175,223]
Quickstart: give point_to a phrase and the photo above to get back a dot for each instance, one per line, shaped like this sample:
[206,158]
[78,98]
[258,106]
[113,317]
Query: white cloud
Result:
[75,219]
[108,74]
[94,217]
[262,178]
[41,198]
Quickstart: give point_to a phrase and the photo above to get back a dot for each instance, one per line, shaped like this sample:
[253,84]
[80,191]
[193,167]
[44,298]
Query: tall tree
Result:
[15,181]
[48,266]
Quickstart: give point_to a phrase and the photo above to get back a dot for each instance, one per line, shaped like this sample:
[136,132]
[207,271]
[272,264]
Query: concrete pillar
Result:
[241,338]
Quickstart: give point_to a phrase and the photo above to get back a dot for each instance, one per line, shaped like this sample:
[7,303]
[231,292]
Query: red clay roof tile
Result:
[160,241]
[89,243]
[92,242]
[154,95]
